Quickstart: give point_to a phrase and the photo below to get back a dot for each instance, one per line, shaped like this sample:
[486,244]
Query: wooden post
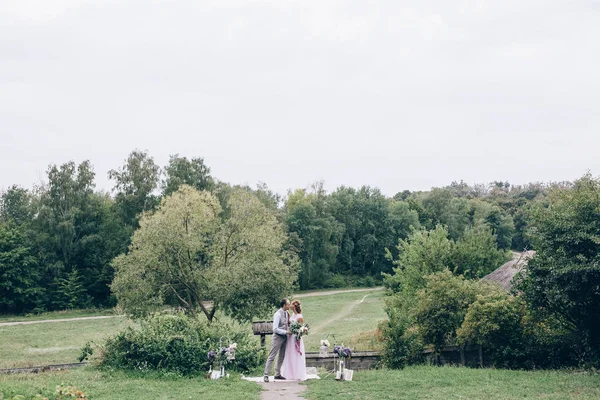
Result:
[462,356]
[262,340]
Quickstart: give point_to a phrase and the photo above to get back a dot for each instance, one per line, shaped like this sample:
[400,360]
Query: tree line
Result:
[59,240]
[550,318]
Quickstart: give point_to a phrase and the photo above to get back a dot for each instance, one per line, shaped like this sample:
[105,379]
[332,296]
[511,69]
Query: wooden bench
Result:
[262,328]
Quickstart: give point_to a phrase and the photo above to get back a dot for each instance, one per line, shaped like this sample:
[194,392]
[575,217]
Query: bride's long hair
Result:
[297,307]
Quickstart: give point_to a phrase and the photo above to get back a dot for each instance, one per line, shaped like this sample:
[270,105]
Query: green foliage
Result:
[185,253]
[423,253]
[402,344]
[182,171]
[177,343]
[20,274]
[72,292]
[563,278]
[318,233]
[86,352]
[495,321]
[65,225]
[135,183]
[62,392]
[475,254]
[441,306]
[371,225]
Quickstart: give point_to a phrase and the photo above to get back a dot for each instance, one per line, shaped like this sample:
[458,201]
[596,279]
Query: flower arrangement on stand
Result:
[221,356]
[344,353]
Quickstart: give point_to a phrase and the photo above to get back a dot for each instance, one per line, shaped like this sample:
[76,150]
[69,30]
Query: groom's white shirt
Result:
[276,322]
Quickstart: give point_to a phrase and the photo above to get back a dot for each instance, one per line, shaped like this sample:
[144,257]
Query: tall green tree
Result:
[368,230]
[135,184]
[442,305]
[476,253]
[188,252]
[319,234]
[20,275]
[181,171]
[62,215]
[423,253]
[563,278]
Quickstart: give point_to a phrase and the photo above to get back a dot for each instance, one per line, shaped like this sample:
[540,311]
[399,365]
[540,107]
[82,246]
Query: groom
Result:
[281,328]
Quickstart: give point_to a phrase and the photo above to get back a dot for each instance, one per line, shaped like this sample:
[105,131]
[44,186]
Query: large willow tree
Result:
[191,253]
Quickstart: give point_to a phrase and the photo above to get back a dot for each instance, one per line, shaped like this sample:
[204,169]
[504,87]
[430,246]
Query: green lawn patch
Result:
[54,342]
[442,383]
[103,385]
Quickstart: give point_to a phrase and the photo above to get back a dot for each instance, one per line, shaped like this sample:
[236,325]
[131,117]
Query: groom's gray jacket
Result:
[280,321]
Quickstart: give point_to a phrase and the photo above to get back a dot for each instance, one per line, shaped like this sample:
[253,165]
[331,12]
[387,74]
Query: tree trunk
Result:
[481,356]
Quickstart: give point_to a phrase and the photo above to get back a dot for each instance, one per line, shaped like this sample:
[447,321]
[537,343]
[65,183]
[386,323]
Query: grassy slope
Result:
[435,383]
[52,343]
[60,342]
[346,315]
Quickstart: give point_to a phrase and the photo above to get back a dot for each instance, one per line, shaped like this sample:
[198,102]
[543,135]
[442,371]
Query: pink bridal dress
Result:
[294,362]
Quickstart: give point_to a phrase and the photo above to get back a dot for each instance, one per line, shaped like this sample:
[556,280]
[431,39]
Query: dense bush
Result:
[178,343]
[402,344]
[563,279]
[342,281]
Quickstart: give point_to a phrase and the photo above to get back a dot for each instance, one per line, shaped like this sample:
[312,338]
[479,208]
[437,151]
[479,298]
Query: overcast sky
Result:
[394,94]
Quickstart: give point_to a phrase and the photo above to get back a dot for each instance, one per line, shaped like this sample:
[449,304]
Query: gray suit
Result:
[280,327]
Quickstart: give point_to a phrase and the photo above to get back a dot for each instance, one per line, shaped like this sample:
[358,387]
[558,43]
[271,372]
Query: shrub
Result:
[336,281]
[494,321]
[177,343]
[402,343]
[442,305]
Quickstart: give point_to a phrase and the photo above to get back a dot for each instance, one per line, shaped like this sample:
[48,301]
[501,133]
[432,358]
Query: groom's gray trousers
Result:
[277,346]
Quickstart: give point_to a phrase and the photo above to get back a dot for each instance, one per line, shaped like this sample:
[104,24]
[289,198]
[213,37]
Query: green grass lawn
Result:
[52,343]
[442,383]
[102,385]
[351,317]
[431,383]
[347,315]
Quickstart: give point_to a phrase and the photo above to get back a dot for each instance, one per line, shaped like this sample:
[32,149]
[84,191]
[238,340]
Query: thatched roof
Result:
[504,275]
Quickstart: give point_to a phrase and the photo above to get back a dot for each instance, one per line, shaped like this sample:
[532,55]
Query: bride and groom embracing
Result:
[291,362]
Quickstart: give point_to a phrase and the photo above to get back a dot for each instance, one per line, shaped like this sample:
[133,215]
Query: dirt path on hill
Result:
[330,292]
[45,321]
[340,315]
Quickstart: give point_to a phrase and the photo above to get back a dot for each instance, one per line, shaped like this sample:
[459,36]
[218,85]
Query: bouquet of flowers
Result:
[299,329]
[222,355]
[342,352]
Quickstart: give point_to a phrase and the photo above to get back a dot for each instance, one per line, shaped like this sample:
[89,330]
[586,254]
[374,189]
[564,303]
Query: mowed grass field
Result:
[52,342]
[443,383]
[118,385]
[411,383]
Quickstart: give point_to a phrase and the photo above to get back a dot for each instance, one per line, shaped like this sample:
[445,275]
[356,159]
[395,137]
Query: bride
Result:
[294,363]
